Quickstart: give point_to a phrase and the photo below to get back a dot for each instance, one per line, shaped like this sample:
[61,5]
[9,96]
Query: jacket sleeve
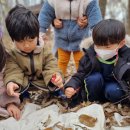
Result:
[77,79]
[13,72]
[50,66]
[93,13]
[46,16]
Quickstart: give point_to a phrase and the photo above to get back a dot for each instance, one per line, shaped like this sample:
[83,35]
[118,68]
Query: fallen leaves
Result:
[110,109]
[59,126]
[125,121]
[87,120]
[50,128]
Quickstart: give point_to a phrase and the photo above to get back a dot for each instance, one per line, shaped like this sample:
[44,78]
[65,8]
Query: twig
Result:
[83,127]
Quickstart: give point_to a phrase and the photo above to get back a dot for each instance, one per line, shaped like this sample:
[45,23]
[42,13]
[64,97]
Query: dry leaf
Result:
[106,104]
[62,109]
[50,128]
[68,129]
[125,121]
[75,108]
[85,104]
[87,120]
[109,110]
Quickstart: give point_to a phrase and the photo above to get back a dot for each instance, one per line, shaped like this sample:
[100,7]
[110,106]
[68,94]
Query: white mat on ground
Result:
[32,118]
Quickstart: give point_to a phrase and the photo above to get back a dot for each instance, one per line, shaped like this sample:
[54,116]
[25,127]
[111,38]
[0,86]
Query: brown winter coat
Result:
[37,68]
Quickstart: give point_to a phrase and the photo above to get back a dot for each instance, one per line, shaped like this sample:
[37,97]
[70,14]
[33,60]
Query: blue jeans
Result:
[25,95]
[59,93]
[100,90]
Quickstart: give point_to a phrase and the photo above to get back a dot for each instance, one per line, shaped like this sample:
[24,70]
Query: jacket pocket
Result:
[78,33]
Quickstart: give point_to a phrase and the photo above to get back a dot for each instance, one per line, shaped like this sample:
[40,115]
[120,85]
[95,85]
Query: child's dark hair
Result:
[108,31]
[21,23]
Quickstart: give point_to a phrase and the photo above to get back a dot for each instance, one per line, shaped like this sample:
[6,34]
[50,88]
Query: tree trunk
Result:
[17,2]
[103,4]
[128,19]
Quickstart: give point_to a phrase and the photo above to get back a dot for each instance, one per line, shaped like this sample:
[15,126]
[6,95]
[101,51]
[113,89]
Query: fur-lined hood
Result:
[87,42]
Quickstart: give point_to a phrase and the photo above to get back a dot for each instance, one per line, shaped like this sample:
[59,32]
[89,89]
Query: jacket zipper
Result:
[33,73]
[32,65]
[32,70]
[69,20]
[70,9]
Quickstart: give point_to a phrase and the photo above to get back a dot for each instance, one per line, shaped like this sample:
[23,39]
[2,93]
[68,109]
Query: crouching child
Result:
[104,70]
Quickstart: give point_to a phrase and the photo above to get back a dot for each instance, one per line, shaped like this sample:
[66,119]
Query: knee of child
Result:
[113,93]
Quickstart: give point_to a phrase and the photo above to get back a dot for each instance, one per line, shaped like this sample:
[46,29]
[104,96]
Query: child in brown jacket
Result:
[30,65]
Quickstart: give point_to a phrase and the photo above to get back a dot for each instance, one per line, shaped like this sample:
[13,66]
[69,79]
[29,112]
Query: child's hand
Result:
[57,23]
[82,22]
[57,80]
[69,92]
[11,87]
[14,111]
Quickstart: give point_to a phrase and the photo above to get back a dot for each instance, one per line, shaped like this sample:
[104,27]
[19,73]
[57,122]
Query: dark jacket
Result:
[89,64]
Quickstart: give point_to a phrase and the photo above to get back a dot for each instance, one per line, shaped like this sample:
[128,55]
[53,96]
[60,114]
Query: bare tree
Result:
[103,4]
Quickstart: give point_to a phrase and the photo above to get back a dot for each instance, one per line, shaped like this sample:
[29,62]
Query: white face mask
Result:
[106,54]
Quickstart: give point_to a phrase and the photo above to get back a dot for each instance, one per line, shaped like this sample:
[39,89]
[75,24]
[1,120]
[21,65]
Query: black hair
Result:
[21,23]
[2,56]
[108,31]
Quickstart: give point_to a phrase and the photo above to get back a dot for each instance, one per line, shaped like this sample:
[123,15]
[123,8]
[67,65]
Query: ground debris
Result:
[125,121]
[83,127]
[87,120]
[110,109]
[47,122]
[50,128]
[62,127]
[45,100]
